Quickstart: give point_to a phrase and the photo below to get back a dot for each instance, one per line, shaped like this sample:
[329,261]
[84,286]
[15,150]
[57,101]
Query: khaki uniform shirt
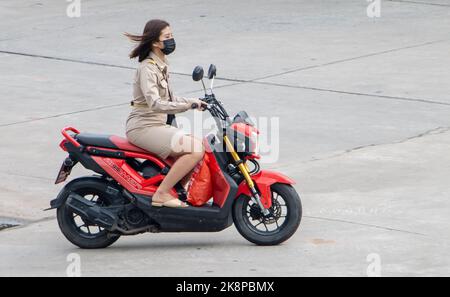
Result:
[152,98]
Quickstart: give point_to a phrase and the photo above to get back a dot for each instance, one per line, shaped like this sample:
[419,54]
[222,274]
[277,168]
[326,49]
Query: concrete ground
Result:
[363,105]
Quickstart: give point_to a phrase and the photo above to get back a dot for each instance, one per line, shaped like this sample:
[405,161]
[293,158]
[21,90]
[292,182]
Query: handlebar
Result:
[216,108]
[209,99]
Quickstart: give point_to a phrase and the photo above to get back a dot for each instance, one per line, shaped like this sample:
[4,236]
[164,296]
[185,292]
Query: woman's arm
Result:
[149,87]
[184,99]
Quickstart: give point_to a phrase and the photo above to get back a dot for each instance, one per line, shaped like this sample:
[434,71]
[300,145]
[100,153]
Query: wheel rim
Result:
[274,223]
[81,226]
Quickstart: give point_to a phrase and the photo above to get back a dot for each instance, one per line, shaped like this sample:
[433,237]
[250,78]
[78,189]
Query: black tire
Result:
[245,212]
[74,233]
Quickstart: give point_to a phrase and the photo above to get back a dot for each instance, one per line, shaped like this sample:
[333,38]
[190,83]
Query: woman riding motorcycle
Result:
[150,123]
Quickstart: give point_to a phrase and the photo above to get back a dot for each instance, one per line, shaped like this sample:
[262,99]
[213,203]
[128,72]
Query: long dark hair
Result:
[151,34]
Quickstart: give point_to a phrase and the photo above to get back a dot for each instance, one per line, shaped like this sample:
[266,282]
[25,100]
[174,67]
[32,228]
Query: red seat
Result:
[125,145]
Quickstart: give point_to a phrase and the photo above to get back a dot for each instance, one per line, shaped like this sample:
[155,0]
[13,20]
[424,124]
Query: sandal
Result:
[173,203]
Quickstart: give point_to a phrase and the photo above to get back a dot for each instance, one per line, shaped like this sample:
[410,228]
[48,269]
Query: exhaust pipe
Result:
[91,212]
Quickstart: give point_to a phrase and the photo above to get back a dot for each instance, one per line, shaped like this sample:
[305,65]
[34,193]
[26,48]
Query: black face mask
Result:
[169,46]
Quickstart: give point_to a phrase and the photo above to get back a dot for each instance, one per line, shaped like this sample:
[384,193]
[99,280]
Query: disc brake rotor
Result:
[275,213]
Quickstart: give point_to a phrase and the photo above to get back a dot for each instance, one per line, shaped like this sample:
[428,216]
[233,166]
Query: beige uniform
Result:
[146,125]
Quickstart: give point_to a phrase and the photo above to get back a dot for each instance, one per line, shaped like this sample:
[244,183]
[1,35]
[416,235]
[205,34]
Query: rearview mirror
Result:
[198,73]
[212,71]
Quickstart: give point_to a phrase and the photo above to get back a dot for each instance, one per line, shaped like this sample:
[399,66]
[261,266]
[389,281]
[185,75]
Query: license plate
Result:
[64,172]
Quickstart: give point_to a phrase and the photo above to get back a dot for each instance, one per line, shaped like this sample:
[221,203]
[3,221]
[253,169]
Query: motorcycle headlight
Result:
[245,138]
[240,146]
[254,143]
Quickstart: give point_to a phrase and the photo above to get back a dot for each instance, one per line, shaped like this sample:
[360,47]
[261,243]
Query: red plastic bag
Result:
[200,187]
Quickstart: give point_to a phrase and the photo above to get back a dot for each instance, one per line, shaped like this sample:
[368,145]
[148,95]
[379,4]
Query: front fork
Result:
[245,172]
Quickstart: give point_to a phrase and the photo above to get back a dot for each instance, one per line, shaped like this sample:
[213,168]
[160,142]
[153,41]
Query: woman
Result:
[153,108]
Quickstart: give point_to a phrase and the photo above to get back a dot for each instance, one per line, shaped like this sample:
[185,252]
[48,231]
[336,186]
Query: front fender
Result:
[263,181]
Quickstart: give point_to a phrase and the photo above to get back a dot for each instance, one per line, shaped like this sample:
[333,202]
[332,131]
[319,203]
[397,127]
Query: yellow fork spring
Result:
[242,166]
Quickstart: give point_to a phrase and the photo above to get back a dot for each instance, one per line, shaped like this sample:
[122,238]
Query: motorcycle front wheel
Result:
[283,221]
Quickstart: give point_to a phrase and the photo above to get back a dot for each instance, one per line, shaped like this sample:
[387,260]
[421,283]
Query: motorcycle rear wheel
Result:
[81,233]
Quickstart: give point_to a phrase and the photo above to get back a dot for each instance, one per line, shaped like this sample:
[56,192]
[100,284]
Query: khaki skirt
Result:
[159,140]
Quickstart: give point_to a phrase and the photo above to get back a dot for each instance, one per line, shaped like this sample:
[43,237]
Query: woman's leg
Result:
[187,178]
[189,152]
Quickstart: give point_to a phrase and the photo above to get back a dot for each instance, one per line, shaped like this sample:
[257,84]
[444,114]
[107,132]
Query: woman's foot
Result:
[160,199]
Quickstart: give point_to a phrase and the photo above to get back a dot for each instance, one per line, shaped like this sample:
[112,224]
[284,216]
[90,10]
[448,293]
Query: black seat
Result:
[107,141]
[100,140]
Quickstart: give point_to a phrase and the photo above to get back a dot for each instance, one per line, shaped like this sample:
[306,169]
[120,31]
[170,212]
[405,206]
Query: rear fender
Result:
[263,181]
[97,182]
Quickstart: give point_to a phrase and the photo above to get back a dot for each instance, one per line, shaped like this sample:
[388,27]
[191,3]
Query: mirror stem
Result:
[203,83]
[212,83]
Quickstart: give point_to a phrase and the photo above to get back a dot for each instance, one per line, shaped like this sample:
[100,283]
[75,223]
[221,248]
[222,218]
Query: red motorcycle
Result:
[94,211]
